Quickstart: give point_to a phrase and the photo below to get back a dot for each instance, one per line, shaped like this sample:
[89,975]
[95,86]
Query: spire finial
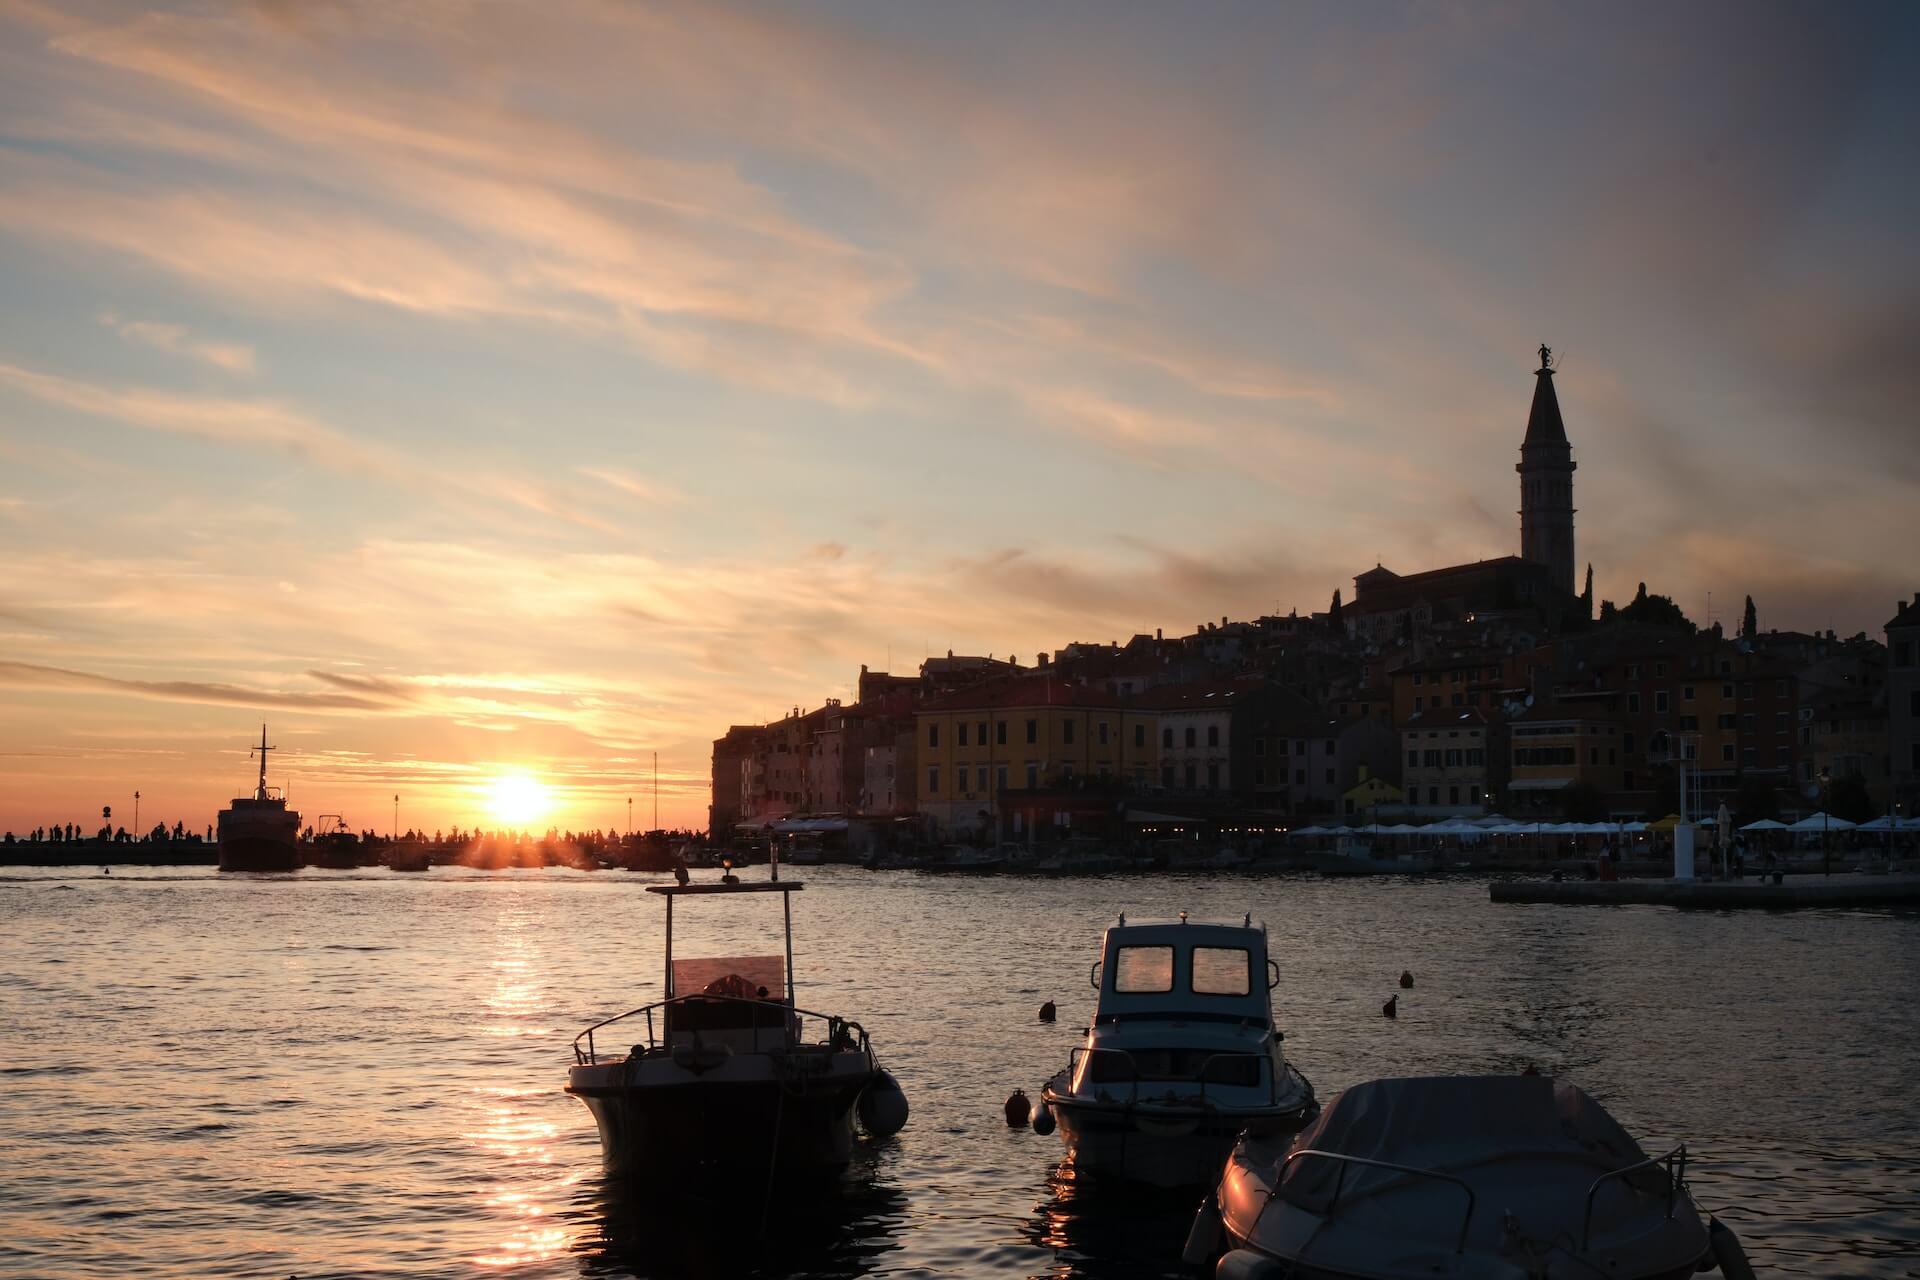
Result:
[1546,356]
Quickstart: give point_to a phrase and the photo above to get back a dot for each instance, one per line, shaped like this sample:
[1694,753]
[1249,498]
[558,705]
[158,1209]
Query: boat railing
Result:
[839,1032]
[1673,1163]
[1199,1077]
[1340,1182]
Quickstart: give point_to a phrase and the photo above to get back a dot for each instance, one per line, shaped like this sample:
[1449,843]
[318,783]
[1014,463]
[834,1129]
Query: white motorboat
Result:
[1489,1177]
[1182,1055]
[727,1075]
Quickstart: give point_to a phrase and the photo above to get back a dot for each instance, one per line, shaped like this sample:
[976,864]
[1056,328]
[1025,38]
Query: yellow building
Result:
[1368,795]
[1023,734]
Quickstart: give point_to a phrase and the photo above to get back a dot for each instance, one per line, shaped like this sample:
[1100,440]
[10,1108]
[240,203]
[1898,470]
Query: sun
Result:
[516,800]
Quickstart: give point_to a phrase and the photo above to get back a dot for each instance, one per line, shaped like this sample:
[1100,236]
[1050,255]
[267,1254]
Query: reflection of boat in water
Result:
[1100,1227]
[1182,1055]
[1495,1176]
[848,1227]
[259,832]
[727,1075]
[1353,857]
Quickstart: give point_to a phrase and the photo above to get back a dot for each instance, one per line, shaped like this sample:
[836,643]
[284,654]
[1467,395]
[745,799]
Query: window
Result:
[1299,777]
[1330,777]
[1726,753]
[1453,795]
[1033,776]
[1433,795]
[1222,971]
[1913,703]
[1413,759]
[1660,701]
[1143,970]
[1166,775]
[1633,703]
[983,733]
[1659,668]
[1166,737]
[1033,731]
[933,781]
[1431,759]
[1140,735]
[1726,720]
[1593,755]
[1213,776]
[1726,691]
[1103,733]
[1476,756]
[1193,776]
[1686,693]
[1066,732]
[1000,733]
[1633,671]
[1903,653]
[1626,780]
[1329,746]
[1453,757]
[1416,679]
[983,780]
[1213,735]
[1783,755]
[1689,722]
[1781,688]
[1000,778]
[933,735]
[961,740]
[1190,735]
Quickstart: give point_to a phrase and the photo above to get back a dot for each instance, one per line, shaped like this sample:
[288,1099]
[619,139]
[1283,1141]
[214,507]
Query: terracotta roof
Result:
[1433,717]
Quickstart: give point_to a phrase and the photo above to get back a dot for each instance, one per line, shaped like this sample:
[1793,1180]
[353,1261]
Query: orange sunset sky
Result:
[473,389]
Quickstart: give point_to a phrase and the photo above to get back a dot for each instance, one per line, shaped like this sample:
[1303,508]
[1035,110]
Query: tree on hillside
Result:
[1847,798]
[1749,622]
[1334,611]
[1656,610]
[1607,611]
[1586,597]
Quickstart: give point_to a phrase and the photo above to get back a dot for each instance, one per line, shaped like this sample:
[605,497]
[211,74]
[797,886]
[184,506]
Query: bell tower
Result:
[1546,482]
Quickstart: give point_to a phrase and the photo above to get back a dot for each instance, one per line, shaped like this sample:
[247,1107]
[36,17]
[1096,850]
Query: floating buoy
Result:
[1043,1119]
[1047,1012]
[1406,979]
[1391,1008]
[1018,1109]
[1531,1070]
[883,1106]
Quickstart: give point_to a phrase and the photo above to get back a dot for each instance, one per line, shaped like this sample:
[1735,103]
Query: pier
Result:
[1840,890]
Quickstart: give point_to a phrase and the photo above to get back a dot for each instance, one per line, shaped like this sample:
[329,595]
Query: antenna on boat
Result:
[260,788]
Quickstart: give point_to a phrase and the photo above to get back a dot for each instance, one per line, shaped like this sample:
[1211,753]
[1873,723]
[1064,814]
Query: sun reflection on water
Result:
[508,1127]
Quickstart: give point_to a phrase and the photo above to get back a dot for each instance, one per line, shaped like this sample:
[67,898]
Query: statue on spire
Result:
[1546,356]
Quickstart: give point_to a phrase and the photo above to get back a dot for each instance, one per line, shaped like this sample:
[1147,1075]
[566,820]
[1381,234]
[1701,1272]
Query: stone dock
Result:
[1841,890]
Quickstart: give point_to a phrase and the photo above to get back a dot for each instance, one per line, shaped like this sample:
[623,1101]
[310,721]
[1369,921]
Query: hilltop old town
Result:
[1495,686]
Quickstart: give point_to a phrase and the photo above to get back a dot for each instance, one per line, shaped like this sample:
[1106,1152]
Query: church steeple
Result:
[1546,469]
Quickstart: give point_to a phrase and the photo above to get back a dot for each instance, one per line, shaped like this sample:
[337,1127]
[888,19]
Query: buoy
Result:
[1043,1119]
[1531,1070]
[1727,1251]
[1391,1008]
[1047,1012]
[883,1106]
[1406,979]
[1018,1109]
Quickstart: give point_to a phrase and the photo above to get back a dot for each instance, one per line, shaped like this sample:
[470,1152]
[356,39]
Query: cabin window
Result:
[1139,970]
[1222,971]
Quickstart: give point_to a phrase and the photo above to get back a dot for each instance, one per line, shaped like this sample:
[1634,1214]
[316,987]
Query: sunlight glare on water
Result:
[352,1074]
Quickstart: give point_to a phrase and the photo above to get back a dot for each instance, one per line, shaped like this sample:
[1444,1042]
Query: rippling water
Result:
[358,1074]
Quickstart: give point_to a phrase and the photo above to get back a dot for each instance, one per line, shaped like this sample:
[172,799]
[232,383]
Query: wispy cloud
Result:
[234,357]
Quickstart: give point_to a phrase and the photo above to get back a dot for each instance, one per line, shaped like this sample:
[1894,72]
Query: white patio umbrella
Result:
[1765,824]
[1822,822]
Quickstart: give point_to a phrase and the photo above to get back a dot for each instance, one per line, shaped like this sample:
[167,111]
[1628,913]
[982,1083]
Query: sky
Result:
[473,390]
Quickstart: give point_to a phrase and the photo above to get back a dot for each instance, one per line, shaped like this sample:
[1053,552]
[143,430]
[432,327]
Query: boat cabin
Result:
[737,1004]
[1185,971]
[1181,1000]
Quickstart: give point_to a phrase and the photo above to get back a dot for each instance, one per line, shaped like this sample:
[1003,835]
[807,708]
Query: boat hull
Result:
[1159,1145]
[253,851]
[744,1122]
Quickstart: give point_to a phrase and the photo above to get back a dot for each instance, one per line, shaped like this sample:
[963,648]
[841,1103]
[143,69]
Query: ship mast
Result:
[260,788]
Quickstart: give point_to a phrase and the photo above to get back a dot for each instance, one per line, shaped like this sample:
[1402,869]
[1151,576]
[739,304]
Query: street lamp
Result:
[1826,820]
[136,815]
[396,817]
